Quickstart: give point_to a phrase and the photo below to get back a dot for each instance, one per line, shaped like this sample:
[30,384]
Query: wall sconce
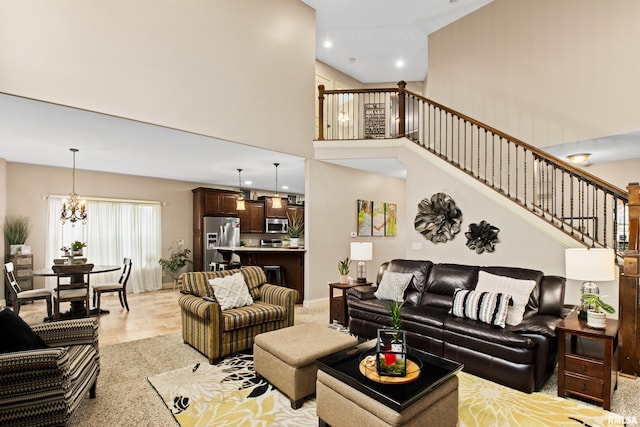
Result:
[362,251]
[591,265]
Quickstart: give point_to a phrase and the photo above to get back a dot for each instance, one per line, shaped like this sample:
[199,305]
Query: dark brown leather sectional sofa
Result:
[521,356]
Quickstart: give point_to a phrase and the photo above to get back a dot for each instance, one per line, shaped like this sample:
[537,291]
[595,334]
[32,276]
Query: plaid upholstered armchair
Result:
[217,332]
[42,387]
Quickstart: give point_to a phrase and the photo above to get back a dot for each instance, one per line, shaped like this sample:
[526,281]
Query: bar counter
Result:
[290,260]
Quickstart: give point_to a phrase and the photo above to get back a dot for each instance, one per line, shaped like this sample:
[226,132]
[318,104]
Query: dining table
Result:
[77,308]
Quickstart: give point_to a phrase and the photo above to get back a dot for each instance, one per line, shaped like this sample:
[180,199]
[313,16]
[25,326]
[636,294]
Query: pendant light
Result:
[276,200]
[73,208]
[240,205]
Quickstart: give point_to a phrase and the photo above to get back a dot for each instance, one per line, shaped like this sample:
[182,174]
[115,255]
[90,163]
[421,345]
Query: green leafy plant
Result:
[16,229]
[78,245]
[178,258]
[594,300]
[296,224]
[343,266]
[395,321]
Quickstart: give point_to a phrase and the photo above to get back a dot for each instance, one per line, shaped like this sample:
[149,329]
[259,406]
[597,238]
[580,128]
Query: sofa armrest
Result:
[199,307]
[362,292]
[539,324]
[279,295]
[69,332]
[24,374]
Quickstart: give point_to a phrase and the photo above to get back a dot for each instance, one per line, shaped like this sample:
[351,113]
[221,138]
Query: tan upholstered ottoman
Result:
[340,405]
[286,357]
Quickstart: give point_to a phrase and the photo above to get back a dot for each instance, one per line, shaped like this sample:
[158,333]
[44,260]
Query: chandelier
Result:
[73,208]
[276,200]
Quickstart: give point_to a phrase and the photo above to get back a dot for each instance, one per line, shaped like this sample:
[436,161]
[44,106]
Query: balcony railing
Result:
[576,202]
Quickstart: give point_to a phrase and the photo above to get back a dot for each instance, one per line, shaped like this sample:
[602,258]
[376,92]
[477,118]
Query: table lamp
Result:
[591,265]
[361,252]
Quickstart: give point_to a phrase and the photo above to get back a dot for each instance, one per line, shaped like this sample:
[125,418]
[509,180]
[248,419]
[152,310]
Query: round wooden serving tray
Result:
[413,372]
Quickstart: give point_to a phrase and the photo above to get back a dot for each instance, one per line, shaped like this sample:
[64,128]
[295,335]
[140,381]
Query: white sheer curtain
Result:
[114,230]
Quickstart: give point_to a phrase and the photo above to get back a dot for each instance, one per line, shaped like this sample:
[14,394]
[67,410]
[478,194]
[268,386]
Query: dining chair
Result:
[19,296]
[74,291]
[120,287]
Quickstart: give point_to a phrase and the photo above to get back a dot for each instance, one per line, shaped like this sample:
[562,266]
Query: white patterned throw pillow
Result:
[518,289]
[231,291]
[487,307]
[393,285]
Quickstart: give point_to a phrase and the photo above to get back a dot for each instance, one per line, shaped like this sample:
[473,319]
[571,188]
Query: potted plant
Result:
[16,231]
[77,246]
[343,269]
[596,316]
[295,227]
[391,345]
[177,262]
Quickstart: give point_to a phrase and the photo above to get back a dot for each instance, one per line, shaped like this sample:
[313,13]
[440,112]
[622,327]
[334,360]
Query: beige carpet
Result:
[229,394]
[125,397]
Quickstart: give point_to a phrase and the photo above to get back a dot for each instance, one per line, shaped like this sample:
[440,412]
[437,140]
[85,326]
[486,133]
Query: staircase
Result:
[588,209]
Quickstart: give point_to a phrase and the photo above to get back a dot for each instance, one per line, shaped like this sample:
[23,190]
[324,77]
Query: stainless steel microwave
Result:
[276,225]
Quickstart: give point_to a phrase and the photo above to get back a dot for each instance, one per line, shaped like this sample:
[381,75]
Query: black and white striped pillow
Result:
[487,307]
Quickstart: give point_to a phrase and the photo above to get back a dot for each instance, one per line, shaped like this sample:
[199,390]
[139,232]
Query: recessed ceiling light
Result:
[247,182]
[400,63]
[328,43]
[285,187]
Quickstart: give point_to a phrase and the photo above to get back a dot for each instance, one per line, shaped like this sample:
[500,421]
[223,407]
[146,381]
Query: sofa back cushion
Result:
[443,281]
[254,277]
[419,270]
[522,274]
[197,282]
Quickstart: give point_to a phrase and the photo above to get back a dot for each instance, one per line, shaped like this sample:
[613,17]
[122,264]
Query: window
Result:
[115,229]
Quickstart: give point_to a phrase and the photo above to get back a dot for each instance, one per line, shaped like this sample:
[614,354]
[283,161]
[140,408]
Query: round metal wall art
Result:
[438,218]
[482,237]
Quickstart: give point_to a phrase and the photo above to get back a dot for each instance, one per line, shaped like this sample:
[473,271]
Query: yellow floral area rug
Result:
[230,394]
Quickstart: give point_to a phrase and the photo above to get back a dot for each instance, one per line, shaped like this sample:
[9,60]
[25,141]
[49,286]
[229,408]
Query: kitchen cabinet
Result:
[252,218]
[295,210]
[270,211]
[219,203]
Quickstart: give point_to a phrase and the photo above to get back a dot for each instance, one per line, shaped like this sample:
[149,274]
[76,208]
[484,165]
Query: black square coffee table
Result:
[345,366]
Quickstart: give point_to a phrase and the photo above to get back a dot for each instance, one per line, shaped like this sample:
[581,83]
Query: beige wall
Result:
[3,208]
[29,185]
[620,173]
[186,65]
[331,207]
[544,71]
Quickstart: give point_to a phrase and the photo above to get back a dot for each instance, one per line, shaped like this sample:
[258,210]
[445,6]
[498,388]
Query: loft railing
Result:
[578,203]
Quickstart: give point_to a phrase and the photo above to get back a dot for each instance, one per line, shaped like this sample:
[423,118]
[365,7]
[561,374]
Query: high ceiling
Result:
[368,37]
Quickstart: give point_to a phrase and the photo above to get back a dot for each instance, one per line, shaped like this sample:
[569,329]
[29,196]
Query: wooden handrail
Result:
[577,202]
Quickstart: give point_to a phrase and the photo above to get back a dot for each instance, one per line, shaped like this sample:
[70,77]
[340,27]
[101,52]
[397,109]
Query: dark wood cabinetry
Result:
[270,211]
[252,218]
[219,203]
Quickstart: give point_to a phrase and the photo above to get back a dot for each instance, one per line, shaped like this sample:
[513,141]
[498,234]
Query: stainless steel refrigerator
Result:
[219,232]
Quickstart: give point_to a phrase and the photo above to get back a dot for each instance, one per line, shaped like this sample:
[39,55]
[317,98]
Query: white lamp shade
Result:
[361,251]
[595,264]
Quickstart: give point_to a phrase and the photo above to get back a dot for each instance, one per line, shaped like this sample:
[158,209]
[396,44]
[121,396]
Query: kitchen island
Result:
[291,262]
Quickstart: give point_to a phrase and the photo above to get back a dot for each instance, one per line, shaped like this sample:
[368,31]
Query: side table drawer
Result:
[582,366]
[585,386]
[338,309]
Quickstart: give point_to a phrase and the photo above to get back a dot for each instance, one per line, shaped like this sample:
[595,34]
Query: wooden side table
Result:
[338,303]
[587,359]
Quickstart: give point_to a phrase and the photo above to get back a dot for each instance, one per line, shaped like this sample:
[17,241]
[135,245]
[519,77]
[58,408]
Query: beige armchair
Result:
[215,332]
[44,386]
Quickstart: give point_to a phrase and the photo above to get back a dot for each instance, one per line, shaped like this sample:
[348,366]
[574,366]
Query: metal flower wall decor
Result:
[482,237]
[438,218]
